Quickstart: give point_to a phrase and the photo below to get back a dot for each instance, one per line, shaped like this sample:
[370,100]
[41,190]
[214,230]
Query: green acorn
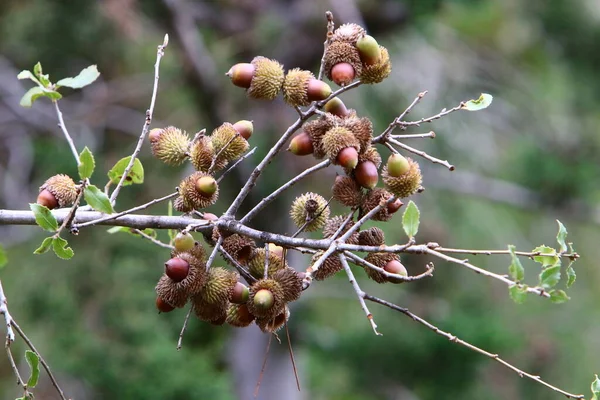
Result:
[301,145]
[349,33]
[170,145]
[196,251]
[256,265]
[270,325]
[372,200]
[184,241]
[377,72]
[58,191]
[347,191]
[331,266]
[373,236]
[368,49]
[239,247]
[342,63]
[290,282]
[402,176]
[300,88]
[310,207]
[263,78]
[337,142]
[228,144]
[266,299]
[239,316]
[197,191]
[334,223]
[387,261]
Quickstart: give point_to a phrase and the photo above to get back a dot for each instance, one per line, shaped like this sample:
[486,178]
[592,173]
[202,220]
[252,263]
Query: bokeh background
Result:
[531,158]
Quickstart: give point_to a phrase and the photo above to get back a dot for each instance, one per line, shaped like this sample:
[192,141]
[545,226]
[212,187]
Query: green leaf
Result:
[148,231]
[136,175]
[482,102]
[596,388]
[410,219]
[43,217]
[34,363]
[561,236]
[85,77]
[35,93]
[571,277]
[45,246]
[558,296]
[547,256]
[550,277]
[518,293]
[44,79]
[515,269]
[59,245]
[3,258]
[97,199]
[87,164]
[28,75]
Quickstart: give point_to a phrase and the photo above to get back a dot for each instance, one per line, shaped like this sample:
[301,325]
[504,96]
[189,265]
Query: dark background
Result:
[530,158]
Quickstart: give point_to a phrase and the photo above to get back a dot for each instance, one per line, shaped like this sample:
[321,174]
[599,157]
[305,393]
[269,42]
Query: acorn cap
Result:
[370,153]
[219,286]
[191,199]
[330,266]
[290,283]
[406,184]
[332,226]
[310,207]
[239,247]
[337,139]
[256,265]
[346,191]
[239,316]
[202,153]
[171,146]
[341,52]
[362,129]
[349,33]
[316,130]
[372,200]
[379,260]
[373,236]
[295,87]
[270,325]
[215,313]
[62,187]
[278,299]
[267,80]
[377,72]
[228,144]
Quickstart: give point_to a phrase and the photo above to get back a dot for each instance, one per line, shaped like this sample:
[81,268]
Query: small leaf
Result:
[37,69]
[550,277]
[515,269]
[44,79]
[482,102]
[136,175]
[596,388]
[34,363]
[45,246]
[547,256]
[148,231]
[59,245]
[28,75]
[561,236]
[97,199]
[410,219]
[518,293]
[85,77]
[571,277]
[558,296]
[87,164]
[43,217]
[3,258]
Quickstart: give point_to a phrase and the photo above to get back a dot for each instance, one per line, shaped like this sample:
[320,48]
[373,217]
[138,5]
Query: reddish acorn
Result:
[343,73]
[241,74]
[163,306]
[395,267]
[177,269]
[347,158]
[245,128]
[301,145]
[206,186]
[209,216]
[366,174]
[317,90]
[240,293]
[336,107]
[394,206]
[47,199]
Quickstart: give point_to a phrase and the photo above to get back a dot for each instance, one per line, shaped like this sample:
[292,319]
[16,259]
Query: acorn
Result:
[310,209]
[366,174]
[206,186]
[58,191]
[240,294]
[342,73]
[368,49]
[183,241]
[270,325]
[170,146]
[347,191]
[263,78]
[266,298]
[256,265]
[349,33]
[342,63]
[336,107]
[202,153]
[154,134]
[196,251]
[228,144]
[195,192]
[300,88]
[177,293]
[378,71]
[347,158]
[241,74]
[301,144]
[372,200]
[334,224]
[394,206]
[330,266]
[245,128]
[162,306]
[177,269]
[379,260]
[395,267]
[263,300]
[220,286]
[239,316]
[401,176]
[209,216]
[277,250]
[341,147]
[290,283]
[373,236]
[239,247]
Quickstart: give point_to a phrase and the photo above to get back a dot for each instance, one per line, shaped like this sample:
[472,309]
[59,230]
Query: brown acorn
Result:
[227,143]
[347,158]
[177,269]
[191,197]
[240,294]
[310,209]
[349,33]
[381,260]
[347,191]
[239,316]
[366,174]
[256,265]
[290,283]
[334,223]
[177,293]
[372,200]
[342,73]
[239,247]
[266,299]
[336,143]
[263,78]
[373,236]
[399,180]
[241,74]
[58,190]
[245,128]
[377,72]
[395,267]
[170,145]
[301,144]
[162,306]
[336,107]
[331,266]
[270,325]
[342,63]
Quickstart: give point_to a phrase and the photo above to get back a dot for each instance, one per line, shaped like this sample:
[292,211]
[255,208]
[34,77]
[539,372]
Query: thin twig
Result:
[13,365]
[149,113]
[386,133]
[10,335]
[330,27]
[289,340]
[361,261]
[71,215]
[63,127]
[243,271]
[213,253]
[185,322]
[421,153]
[468,345]
[430,134]
[530,254]
[439,115]
[235,164]
[153,240]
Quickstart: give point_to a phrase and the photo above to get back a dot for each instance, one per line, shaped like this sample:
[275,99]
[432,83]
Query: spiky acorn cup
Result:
[256,265]
[290,282]
[341,147]
[300,88]
[342,63]
[387,261]
[316,130]
[349,33]
[333,224]
[263,77]
[330,266]
[214,313]
[170,145]
[239,316]
[373,199]
[177,293]
[377,72]
[361,128]
[197,251]
[273,324]
[347,191]
[202,153]
[228,144]
[310,209]
[219,286]
[239,247]
[197,191]
[373,236]
[370,153]
[266,299]
[402,176]
[58,191]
